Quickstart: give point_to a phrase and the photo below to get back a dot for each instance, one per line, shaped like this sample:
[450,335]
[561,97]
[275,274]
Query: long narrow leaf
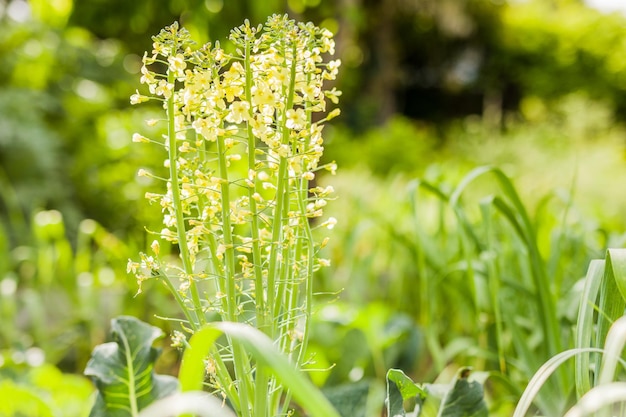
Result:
[613,348]
[264,352]
[617,259]
[597,398]
[516,213]
[542,375]
[584,324]
[611,303]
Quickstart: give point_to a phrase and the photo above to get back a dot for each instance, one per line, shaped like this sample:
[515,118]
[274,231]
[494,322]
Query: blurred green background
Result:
[431,90]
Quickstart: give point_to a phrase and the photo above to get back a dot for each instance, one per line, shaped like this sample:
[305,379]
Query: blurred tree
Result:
[428,59]
[58,85]
[434,60]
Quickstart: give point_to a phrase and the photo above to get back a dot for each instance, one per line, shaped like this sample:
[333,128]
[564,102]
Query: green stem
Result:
[308,302]
[310,243]
[239,356]
[281,195]
[180,220]
[262,378]
[229,251]
[261,313]
[177,297]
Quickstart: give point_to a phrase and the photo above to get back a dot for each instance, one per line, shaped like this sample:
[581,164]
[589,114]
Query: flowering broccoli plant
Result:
[243,143]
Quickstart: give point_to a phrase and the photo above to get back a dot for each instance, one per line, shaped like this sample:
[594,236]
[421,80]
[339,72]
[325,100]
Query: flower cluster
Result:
[244,145]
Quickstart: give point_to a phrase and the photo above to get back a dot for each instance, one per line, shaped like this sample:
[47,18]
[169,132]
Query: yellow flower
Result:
[177,64]
[138,98]
[262,95]
[206,127]
[239,111]
[333,95]
[163,88]
[139,138]
[155,247]
[147,77]
[310,92]
[296,119]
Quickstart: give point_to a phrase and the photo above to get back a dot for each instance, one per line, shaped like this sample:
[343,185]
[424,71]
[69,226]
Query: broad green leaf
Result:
[42,391]
[462,398]
[465,399]
[123,370]
[24,401]
[350,400]
[400,388]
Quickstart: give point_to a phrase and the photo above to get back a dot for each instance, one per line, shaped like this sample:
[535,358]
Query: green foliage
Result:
[41,390]
[123,370]
[63,112]
[401,145]
[264,352]
[472,253]
[86,277]
[602,303]
[353,399]
[463,397]
[572,47]
[416,261]
[600,341]
[350,344]
[401,388]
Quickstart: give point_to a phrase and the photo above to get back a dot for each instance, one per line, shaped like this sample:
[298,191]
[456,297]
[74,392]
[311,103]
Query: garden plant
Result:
[243,146]
[436,270]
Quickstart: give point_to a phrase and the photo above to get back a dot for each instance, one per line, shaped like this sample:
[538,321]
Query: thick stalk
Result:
[178,209]
[261,313]
[229,250]
[239,356]
[308,301]
[275,292]
[222,375]
[262,378]
[283,182]
[303,191]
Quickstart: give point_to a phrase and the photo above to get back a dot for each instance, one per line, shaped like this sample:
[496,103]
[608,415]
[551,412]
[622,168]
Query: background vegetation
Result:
[433,267]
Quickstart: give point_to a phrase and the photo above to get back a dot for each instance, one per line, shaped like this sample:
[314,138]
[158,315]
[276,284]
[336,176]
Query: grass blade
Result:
[613,348]
[617,260]
[597,398]
[611,304]
[515,212]
[585,324]
[542,375]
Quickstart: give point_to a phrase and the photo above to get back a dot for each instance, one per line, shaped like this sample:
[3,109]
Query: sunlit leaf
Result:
[263,350]
[400,388]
